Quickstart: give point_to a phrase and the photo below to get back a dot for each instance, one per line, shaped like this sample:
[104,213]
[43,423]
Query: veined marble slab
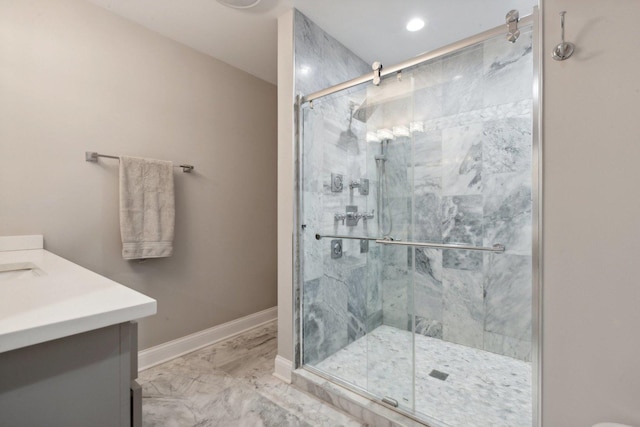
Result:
[230,384]
[482,389]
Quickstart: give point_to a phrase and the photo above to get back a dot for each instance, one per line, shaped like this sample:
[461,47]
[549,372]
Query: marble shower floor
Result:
[482,388]
[230,384]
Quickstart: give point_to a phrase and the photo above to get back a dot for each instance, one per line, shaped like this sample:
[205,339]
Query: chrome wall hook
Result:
[564,50]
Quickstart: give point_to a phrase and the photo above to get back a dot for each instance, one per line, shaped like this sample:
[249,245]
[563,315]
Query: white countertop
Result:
[66,300]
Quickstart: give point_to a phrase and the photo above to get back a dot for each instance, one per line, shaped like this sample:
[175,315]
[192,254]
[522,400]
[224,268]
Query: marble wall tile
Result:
[506,145]
[462,223]
[462,219]
[321,61]
[507,300]
[427,226]
[398,167]
[310,132]
[312,248]
[308,49]
[325,318]
[427,90]
[508,346]
[428,327]
[374,278]
[462,90]
[357,289]
[461,259]
[428,284]
[462,160]
[396,297]
[428,103]
[396,262]
[507,211]
[427,74]
[427,162]
[463,317]
[508,70]
[374,319]
[396,217]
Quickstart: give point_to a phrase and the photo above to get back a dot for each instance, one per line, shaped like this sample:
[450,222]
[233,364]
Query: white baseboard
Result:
[170,350]
[283,368]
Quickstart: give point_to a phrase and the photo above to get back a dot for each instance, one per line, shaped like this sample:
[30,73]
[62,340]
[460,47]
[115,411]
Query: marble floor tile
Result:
[230,384]
[482,389]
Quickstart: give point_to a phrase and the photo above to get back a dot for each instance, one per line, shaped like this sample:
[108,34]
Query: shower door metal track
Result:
[478,38]
[498,248]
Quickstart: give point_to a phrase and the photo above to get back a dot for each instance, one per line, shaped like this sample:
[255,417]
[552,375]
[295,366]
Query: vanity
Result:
[68,342]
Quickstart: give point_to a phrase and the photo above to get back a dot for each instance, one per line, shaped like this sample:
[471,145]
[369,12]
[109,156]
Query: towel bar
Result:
[92,156]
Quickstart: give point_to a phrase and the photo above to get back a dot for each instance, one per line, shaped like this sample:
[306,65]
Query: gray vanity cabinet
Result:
[87,379]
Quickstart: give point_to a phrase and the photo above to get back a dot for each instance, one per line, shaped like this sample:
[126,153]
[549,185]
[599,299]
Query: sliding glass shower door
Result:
[416,244]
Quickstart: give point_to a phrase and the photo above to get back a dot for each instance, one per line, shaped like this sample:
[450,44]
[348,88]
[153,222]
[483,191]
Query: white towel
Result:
[147,208]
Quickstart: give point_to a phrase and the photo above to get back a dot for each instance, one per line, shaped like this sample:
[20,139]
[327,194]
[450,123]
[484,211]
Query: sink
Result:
[19,270]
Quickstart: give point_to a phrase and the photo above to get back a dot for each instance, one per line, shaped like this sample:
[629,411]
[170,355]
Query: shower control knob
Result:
[337,183]
[336,249]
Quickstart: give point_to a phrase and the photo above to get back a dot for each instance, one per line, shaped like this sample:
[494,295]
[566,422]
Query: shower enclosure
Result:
[416,245]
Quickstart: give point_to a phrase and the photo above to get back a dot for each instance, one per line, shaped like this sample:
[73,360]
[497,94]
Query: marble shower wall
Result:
[465,178]
[341,298]
[471,176]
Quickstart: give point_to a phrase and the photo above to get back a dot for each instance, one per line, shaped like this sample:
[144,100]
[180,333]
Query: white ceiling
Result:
[375,29]
[372,29]
[244,38]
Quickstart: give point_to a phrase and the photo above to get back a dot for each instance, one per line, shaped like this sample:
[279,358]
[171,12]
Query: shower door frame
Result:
[536,193]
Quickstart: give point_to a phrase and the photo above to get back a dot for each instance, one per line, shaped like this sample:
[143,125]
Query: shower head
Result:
[348,139]
[364,112]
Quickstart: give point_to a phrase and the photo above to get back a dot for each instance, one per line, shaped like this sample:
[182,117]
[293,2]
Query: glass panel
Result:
[445,152]
[335,288]
[472,185]
[357,155]
[389,336]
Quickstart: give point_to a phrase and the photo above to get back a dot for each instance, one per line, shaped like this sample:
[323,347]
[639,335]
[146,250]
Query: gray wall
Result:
[286,95]
[74,77]
[591,343]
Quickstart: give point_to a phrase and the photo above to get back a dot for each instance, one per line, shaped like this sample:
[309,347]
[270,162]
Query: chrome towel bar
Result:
[498,248]
[92,156]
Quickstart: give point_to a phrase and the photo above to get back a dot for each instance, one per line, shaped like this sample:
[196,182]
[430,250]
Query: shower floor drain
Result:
[439,375]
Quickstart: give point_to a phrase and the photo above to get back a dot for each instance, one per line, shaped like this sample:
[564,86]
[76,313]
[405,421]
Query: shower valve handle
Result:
[366,216]
[339,217]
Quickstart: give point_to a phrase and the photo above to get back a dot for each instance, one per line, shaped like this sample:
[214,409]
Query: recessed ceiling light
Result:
[239,4]
[415,24]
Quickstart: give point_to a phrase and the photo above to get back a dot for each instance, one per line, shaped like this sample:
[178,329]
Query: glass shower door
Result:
[438,154]
[390,339]
[472,186]
[355,189]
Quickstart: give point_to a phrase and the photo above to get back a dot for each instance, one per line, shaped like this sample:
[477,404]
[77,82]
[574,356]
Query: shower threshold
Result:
[478,388]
